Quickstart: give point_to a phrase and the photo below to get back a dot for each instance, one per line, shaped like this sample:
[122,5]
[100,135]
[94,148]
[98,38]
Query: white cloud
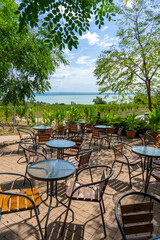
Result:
[85,60]
[104,28]
[92,38]
[76,79]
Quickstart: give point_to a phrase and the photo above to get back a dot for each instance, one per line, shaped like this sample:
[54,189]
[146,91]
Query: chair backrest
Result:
[30,149]
[117,148]
[148,140]
[84,157]
[152,133]
[136,218]
[43,137]
[24,131]
[73,127]
[119,132]
[78,141]
[95,133]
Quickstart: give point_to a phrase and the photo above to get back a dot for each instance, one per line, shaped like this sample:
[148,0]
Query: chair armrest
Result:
[18,174]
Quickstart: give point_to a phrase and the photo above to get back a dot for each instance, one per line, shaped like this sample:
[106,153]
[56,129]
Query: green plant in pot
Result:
[131,123]
[154,118]
[74,115]
[110,121]
[59,117]
[48,118]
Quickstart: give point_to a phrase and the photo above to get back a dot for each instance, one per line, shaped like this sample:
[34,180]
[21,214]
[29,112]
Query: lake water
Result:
[77,98]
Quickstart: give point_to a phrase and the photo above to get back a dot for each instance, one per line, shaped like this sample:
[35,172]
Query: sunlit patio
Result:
[87,223]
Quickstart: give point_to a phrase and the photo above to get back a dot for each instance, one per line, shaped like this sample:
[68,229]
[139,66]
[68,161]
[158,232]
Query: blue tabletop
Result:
[147,151]
[102,126]
[60,143]
[41,127]
[51,169]
[81,122]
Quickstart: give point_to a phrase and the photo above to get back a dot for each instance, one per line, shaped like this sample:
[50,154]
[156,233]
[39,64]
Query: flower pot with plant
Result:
[110,120]
[131,123]
[91,118]
[59,117]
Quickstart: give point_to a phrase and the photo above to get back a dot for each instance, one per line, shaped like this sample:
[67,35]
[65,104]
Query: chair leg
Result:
[102,219]
[39,225]
[103,206]
[129,172]
[91,174]
[90,142]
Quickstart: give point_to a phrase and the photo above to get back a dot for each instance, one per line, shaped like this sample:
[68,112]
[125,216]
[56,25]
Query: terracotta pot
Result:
[131,134]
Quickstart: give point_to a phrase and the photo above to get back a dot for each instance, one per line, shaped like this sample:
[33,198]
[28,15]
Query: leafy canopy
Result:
[64,20]
[134,65]
[26,61]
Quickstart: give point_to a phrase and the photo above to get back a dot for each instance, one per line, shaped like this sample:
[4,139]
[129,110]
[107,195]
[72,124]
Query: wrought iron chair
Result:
[26,135]
[74,130]
[98,136]
[59,133]
[33,153]
[116,135]
[79,141]
[153,134]
[136,218]
[92,192]
[81,159]
[148,141]
[124,155]
[28,199]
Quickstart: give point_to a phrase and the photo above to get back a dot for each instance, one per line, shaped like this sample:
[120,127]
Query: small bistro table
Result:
[51,171]
[60,145]
[149,153]
[41,128]
[102,127]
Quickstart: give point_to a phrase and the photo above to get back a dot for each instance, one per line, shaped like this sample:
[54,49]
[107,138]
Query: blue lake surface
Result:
[78,98]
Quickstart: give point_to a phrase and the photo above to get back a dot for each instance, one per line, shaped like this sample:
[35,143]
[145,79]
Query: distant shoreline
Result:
[77,93]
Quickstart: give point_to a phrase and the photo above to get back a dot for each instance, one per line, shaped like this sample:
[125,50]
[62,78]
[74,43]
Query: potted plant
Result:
[131,123]
[110,121]
[74,115]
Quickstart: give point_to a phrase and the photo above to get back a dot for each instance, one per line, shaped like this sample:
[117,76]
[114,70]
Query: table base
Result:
[52,192]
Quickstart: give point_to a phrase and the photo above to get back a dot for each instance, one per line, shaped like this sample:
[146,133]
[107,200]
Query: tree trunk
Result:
[149,96]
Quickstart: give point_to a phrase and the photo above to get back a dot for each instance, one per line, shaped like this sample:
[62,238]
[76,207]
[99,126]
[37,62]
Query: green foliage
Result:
[131,122]
[133,66]
[110,119]
[48,118]
[21,110]
[8,112]
[64,20]
[99,100]
[60,116]
[31,116]
[26,61]
[74,115]
[154,118]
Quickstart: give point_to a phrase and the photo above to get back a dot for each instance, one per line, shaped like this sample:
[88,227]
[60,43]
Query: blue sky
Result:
[78,76]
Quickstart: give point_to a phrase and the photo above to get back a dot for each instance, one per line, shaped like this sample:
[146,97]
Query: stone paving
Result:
[87,224]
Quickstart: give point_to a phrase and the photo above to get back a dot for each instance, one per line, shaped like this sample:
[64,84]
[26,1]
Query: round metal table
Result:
[60,145]
[149,153]
[41,128]
[51,171]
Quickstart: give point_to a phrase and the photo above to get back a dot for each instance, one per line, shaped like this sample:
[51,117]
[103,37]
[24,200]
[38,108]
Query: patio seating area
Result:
[87,222]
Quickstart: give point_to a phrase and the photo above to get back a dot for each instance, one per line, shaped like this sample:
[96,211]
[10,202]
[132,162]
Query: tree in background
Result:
[134,65]
[26,61]
[64,20]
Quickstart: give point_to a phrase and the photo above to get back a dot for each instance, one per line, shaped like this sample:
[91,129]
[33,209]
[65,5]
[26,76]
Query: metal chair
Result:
[92,192]
[81,159]
[74,130]
[26,135]
[153,134]
[136,218]
[33,153]
[59,133]
[115,135]
[148,140]
[124,155]
[79,141]
[28,199]
[98,136]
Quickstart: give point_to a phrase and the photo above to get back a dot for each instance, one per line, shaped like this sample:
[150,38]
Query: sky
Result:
[78,75]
